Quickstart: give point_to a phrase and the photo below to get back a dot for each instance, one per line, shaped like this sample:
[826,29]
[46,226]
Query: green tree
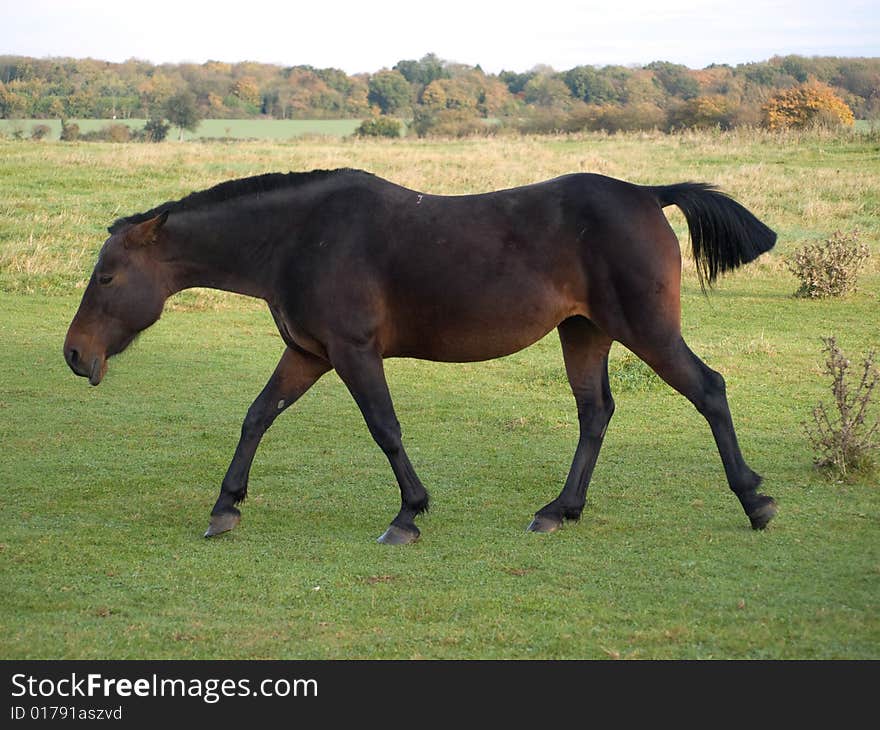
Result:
[183,112]
[678,80]
[422,72]
[587,84]
[514,81]
[156,129]
[389,91]
[547,90]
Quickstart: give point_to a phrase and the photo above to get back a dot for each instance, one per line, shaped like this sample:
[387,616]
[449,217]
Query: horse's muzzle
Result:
[93,370]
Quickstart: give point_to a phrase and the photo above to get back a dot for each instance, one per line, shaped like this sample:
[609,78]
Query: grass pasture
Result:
[265,129]
[108,489]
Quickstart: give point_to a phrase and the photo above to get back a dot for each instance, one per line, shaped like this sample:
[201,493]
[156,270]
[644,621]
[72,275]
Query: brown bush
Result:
[40,131]
[109,133]
[843,436]
[69,131]
[830,268]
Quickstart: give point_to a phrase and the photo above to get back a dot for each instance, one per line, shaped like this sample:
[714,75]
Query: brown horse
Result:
[356,269]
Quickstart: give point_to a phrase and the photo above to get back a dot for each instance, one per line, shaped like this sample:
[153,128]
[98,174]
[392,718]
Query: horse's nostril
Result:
[72,356]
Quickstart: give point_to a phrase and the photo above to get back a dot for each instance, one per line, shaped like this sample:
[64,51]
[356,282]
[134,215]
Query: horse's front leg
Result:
[360,368]
[296,372]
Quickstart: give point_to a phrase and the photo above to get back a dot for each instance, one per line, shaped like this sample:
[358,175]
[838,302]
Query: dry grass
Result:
[59,198]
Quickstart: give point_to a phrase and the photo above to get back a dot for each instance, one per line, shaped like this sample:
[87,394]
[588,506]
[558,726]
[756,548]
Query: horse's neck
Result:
[221,256]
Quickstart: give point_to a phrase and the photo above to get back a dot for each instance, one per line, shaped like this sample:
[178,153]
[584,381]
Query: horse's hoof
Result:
[542,523]
[223,522]
[760,516]
[395,535]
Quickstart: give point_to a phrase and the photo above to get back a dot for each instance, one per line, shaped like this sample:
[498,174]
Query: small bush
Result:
[155,130]
[844,438]
[379,127]
[118,132]
[109,133]
[831,268]
[451,123]
[40,131]
[69,131]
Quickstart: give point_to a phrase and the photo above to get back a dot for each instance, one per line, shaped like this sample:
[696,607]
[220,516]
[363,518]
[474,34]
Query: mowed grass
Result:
[108,489]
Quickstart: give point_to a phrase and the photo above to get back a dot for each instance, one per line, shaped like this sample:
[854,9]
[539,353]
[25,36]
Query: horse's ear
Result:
[144,234]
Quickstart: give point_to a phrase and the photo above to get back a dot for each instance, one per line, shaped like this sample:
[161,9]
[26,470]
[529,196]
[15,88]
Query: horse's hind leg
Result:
[705,388]
[295,373]
[585,349]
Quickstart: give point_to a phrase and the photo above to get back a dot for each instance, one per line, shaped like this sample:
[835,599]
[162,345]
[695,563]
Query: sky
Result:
[368,35]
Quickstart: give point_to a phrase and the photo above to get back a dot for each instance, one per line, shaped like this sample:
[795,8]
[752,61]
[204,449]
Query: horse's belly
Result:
[484,333]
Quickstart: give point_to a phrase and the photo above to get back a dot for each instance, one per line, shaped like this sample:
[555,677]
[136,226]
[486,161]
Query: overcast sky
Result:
[368,35]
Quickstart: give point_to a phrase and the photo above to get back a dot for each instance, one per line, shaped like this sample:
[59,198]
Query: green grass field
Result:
[247,129]
[108,489]
[274,129]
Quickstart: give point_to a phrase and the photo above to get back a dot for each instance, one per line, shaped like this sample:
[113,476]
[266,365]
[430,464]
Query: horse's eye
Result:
[105,279]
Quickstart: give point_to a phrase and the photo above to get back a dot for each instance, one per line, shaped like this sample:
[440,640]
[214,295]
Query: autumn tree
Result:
[707,111]
[247,89]
[804,105]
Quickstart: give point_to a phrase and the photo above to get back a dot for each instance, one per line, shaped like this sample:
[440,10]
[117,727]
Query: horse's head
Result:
[124,296]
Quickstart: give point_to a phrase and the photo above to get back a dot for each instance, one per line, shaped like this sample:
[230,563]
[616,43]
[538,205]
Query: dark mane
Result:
[226,191]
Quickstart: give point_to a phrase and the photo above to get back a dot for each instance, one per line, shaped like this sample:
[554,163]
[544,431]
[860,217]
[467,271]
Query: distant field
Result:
[259,129]
[237,128]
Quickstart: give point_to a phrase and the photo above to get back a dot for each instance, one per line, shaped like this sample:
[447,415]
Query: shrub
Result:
[156,130]
[118,132]
[830,268]
[806,105]
[69,132]
[40,131]
[379,127]
[845,440]
[703,112]
[614,118]
[109,133]
[450,123]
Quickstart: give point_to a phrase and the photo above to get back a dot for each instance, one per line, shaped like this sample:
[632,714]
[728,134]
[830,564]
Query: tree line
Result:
[441,97]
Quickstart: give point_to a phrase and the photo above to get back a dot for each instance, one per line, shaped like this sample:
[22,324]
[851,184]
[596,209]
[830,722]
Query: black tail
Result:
[724,235]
